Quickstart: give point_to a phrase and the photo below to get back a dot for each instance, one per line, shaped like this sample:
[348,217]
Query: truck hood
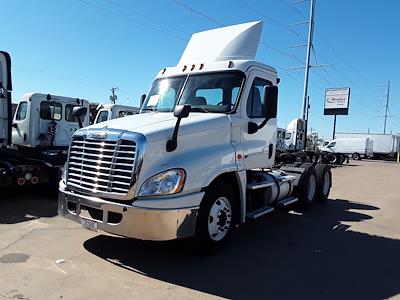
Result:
[158,126]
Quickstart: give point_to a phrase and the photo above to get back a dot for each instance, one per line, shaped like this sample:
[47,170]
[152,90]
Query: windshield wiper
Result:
[148,109]
[199,109]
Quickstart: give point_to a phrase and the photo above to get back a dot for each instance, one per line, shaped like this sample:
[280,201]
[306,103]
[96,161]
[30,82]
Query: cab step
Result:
[259,185]
[259,212]
[287,201]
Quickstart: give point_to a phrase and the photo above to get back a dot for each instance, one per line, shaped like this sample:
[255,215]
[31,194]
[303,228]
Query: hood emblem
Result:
[99,135]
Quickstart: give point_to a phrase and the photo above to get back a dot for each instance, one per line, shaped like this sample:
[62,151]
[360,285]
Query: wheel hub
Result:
[219,219]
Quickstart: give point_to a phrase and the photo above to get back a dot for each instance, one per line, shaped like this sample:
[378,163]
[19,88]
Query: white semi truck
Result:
[32,145]
[198,159]
[112,111]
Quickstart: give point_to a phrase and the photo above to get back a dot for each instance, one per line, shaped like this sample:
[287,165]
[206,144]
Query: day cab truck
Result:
[198,160]
[112,111]
[33,145]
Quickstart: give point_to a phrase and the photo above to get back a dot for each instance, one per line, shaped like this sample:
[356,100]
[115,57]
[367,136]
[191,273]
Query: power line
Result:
[132,20]
[277,23]
[148,17]
[198,12]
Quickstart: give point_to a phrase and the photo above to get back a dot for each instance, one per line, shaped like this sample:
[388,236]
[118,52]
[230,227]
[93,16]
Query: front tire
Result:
[216,219]
[356,156]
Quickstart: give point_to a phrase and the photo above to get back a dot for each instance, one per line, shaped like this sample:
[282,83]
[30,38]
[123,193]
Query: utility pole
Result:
[386,106]
[113,97]
[307,68]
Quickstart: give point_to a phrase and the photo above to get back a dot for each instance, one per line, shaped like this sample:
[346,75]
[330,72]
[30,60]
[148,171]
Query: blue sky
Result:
[80,48]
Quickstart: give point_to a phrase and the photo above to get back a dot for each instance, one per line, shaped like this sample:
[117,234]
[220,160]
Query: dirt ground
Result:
[347,248]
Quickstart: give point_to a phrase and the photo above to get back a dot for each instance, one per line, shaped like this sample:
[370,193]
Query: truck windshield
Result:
[215,93]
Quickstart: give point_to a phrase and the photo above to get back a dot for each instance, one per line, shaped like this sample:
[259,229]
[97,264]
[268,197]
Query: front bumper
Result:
[155,219]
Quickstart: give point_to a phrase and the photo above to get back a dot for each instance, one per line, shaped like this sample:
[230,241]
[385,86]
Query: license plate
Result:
[89,224]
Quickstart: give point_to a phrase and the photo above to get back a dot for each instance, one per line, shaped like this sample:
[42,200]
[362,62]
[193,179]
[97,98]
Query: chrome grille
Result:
[101,166]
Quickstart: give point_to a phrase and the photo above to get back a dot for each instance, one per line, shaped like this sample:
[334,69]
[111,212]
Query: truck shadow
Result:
[19,205]
[285,256]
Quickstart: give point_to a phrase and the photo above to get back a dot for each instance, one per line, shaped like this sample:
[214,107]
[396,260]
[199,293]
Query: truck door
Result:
[259,147]
[5,99]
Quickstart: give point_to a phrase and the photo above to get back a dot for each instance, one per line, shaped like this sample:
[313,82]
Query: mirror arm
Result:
[172,142]
[79,122]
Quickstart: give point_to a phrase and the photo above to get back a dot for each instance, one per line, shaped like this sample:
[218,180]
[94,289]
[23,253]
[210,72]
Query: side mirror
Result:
[180,112]
[142,98]
[270,101]
[79,112]
[270,108]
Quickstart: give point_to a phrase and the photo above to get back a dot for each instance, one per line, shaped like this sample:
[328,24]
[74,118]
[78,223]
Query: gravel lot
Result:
[347,248]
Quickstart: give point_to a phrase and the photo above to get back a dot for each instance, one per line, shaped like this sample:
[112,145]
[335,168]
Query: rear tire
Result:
[306,190]
[216,219]
[324,182]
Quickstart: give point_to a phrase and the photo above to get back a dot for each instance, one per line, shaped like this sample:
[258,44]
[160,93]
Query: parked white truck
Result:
[356,147]
[16,166]
[384,145]
[46,121]
[199,157]
[112,111]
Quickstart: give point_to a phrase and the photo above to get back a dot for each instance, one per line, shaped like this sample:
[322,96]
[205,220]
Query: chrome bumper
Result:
[155,219]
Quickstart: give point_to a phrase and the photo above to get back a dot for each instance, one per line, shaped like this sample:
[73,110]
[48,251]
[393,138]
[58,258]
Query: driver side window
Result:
[255,106]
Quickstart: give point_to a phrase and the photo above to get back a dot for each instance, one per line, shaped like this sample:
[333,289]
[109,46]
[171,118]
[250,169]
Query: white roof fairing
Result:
[237,42]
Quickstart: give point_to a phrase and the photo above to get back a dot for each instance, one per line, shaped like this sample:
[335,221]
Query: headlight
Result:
[165,183]
[64,173]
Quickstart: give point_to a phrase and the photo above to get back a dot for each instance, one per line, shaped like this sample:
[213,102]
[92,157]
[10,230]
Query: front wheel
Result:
[356,156]
[216,218]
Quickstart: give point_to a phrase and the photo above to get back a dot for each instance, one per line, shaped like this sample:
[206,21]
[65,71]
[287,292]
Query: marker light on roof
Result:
[184,68]
[163,71]
[230,65]
[201,66]
[193,66]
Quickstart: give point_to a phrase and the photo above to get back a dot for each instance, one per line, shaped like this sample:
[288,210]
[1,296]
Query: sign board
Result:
[337,101]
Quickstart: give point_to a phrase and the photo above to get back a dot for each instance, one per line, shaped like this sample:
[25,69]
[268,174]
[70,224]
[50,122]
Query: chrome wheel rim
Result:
[326,183]
[311,188]
[219,219]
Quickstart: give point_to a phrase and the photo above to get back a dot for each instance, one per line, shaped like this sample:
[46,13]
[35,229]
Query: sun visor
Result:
[226,43]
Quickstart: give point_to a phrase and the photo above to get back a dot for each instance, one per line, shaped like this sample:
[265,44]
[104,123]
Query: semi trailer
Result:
[384,145]
[198,160]
[356,147]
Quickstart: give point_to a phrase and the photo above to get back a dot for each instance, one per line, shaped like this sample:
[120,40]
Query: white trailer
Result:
[46,121]
[199,157]
[357,147]
[385,145]
[111,111]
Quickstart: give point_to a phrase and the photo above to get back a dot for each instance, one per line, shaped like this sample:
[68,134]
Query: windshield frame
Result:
[186,79]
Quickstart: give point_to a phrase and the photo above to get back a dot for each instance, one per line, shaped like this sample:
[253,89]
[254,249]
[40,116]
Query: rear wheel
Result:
[306,190]
[324,182]
[216,218]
